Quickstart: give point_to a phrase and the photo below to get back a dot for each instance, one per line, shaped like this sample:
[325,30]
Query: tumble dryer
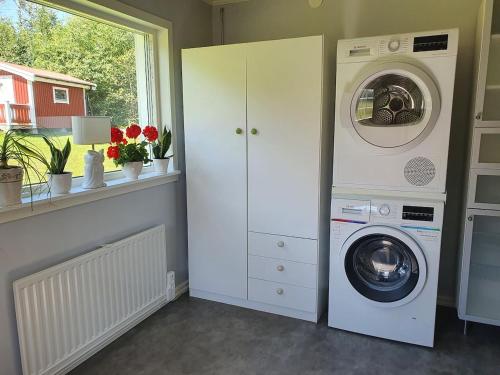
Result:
[384,266]
[393,111]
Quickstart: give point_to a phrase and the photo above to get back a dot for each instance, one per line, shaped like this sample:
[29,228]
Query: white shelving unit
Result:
[479,279]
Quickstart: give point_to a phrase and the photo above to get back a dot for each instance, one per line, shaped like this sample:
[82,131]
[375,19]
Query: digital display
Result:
[430,43]
[418,213]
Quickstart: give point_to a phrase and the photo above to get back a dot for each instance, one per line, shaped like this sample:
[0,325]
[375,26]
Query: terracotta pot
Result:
[11,184]
[60,183]
[132,170]
[161,165]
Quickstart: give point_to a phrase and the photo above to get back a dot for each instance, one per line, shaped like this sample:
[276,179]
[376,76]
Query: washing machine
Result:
[384,265]
[393,111]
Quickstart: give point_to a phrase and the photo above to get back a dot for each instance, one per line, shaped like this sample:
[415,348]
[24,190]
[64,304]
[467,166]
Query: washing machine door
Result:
[384,265]
[392,106]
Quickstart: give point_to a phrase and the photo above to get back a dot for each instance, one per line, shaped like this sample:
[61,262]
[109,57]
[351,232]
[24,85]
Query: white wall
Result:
[274,19]
[33,244]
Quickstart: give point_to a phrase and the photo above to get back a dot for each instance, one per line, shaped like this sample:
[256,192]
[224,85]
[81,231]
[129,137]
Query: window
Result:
[6,89]
[112,62]
[61,95]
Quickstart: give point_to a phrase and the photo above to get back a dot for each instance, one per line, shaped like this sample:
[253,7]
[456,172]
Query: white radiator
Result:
[70,311]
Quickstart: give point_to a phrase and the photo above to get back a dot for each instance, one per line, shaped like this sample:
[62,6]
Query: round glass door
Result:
[393,105]
[382,268]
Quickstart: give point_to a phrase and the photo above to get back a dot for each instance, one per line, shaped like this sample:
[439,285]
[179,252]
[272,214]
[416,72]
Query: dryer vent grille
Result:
[420,171]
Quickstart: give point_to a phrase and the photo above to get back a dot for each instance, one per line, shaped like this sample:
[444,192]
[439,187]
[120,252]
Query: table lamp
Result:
[92,130]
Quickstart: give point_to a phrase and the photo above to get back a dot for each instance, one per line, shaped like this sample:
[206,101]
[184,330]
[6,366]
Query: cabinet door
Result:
[214,108]
[486,148]
[480,272]
[487,71]
[484,190]
[284,84]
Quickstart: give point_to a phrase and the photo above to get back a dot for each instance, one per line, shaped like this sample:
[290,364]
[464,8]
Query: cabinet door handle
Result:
[280,291]
[280,268]
[239,131]
[280,244]
[254,131]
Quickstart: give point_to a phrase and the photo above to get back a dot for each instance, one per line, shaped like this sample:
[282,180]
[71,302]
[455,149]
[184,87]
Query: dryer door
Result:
[384,265]
[392,106]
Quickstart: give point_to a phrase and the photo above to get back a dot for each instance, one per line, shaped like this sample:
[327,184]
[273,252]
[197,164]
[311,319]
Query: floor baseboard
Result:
[446,301]
[181,289]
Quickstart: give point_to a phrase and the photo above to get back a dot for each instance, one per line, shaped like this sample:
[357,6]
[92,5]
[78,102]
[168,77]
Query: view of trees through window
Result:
[99,57]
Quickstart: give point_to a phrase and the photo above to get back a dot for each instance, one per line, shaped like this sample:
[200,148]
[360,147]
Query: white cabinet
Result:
[479,280]
[257,166]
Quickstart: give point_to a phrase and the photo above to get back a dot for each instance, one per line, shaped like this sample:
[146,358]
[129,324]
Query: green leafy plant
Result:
[16,151]
[162,144]
[59,157]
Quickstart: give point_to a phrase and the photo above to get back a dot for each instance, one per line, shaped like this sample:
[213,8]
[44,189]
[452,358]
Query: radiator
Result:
[68,312]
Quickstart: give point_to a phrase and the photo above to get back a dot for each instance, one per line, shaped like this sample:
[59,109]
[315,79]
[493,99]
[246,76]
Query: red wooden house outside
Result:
[36,98]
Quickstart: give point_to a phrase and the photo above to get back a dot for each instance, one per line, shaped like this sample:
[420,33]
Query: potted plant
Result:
[17,159]
[160,146]
[127,151]
[59,180]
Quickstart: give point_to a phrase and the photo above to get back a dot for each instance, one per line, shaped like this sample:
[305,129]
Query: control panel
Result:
[418,213]
[430,43]
[388,211]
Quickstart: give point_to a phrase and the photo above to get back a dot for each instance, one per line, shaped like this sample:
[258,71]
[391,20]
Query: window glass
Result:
[61,95]
[86,64]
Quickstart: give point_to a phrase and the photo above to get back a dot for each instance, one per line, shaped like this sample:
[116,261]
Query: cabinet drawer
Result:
[282,271]
[289,248]
[279,294]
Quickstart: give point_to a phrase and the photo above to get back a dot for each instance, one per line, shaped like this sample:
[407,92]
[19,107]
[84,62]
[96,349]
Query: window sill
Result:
[77,196]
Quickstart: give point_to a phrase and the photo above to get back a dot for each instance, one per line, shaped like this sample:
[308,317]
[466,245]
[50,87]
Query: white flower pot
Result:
[11,184]
[161,165]
[132,170]
[60,183]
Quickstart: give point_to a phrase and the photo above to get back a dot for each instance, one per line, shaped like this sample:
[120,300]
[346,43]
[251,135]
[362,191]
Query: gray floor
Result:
[193,336]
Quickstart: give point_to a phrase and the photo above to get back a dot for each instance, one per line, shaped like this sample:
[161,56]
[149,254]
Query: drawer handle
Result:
[279,291]
[280,268]
[281,244]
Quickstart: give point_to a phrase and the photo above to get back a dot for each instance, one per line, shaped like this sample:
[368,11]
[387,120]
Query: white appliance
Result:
[393,111]
[258,175]
[384,263]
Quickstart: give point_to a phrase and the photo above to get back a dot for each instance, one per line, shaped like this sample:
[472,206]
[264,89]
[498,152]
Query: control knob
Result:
[384,210]
[394,45]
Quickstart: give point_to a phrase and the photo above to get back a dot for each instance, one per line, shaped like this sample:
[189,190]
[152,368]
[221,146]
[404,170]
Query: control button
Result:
[384,210]
[394,45]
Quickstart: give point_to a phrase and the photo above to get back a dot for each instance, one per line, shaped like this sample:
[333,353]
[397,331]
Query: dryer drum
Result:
[397,101]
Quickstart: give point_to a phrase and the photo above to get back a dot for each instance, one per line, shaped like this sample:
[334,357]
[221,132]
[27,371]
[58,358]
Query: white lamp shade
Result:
[90,130]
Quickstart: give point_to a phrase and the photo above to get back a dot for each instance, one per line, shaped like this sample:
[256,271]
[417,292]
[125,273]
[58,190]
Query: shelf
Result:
[483,297]
[492,87]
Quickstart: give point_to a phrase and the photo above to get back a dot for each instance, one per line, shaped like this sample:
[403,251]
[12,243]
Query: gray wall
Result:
[274,19]
[33,244]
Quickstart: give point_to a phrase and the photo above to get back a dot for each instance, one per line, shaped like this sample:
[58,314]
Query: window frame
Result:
[158,54]
[59,101]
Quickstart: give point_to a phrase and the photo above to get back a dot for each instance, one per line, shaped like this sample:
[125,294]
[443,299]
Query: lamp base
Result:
[93,177]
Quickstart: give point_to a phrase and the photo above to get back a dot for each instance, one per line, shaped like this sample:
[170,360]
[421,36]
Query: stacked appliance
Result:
[392,125]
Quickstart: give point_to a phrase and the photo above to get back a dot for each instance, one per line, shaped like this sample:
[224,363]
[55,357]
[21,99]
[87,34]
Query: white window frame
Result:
[160,48]
[59,101]
[159,55]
